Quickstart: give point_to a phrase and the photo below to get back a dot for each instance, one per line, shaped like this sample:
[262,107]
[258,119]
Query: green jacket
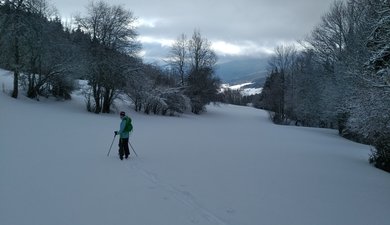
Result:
[125,127]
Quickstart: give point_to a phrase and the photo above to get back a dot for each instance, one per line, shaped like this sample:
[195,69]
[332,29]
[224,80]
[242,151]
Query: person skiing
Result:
[124,129]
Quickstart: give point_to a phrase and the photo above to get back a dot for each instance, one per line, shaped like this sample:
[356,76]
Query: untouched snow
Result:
[241,87]
[230,166]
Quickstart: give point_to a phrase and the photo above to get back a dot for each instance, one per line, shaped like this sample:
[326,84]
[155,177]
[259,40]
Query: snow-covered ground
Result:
[242,88]
[230,166]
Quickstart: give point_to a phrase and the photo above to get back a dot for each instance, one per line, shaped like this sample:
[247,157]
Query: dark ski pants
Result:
[123,147]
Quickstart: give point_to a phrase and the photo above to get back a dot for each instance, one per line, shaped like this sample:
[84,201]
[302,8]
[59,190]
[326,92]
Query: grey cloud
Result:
[266,22]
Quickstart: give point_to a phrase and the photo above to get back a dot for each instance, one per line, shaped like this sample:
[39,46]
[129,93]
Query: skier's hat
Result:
[122,113]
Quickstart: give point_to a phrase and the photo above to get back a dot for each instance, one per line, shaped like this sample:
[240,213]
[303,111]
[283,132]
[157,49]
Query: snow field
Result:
[230,166]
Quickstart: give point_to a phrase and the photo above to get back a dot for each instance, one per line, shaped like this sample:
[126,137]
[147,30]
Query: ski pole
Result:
[133,149]
[111,145]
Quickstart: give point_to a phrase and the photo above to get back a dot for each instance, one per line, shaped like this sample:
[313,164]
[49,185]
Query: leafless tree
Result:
[112,31]
[202,84]
[282,64]
[18,28]
[200,52]
[111,26]
[330,36]
[179,56]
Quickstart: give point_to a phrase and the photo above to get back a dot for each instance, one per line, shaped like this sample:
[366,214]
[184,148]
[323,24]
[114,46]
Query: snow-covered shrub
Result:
[87,92]
[380,156]
[62,87]
[154,103]
[165,101]
[176,102]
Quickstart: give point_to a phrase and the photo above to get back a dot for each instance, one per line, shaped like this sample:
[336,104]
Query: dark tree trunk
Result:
[16,73]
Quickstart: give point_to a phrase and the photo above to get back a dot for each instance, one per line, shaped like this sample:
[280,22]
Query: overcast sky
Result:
[236,28]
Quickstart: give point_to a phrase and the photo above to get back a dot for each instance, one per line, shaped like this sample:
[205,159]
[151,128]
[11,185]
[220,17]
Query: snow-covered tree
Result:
[35,47]
[13,36]
[272,96]
[112,33]
[202,89]
[379,46]
[202,84]
[307,101]
[50,60]
[375,124]
[152,91]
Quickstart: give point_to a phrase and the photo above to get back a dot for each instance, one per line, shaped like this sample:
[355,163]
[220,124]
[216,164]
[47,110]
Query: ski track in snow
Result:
[180,195]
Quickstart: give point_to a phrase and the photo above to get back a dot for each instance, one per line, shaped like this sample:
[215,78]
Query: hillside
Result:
[243,70]
[230,166]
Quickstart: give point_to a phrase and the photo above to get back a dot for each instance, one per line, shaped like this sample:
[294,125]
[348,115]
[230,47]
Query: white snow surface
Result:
[229,166]
[241,87]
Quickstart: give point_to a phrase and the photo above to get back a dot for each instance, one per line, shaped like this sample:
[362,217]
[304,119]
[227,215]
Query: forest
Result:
[47,58]
[339,77]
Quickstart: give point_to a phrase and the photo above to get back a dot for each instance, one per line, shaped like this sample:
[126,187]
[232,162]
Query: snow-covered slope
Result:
[230,166]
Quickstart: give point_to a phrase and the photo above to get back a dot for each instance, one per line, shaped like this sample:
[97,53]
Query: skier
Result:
[124,130]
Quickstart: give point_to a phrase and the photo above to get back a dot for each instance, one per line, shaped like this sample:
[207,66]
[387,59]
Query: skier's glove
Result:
[116,132]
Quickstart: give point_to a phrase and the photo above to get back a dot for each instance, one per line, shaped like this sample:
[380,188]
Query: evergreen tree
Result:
[202,84]
[202,89]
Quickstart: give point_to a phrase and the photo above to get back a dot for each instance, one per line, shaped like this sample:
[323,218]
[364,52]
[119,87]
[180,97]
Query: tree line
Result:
[102,48]
[340,78]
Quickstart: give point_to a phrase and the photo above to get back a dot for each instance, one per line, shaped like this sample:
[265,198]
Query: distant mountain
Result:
[243,70]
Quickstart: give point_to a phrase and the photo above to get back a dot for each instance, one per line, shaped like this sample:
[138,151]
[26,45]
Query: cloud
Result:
[164,42]
[142,22]
[244,48]
[235,28]
[223,47]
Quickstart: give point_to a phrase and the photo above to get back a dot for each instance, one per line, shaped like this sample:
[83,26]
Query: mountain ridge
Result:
[243,70]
